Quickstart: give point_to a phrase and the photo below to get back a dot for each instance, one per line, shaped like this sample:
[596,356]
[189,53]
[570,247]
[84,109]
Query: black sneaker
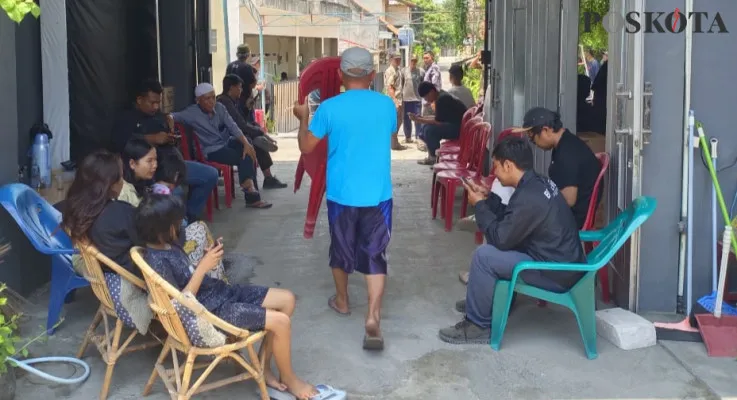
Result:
[270,182]
[465,332]
[426,161]
[461,306]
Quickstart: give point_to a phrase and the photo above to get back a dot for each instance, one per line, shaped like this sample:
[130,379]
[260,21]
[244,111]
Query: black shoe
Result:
[270,182]
[461,306]
[426,161]
[465,332]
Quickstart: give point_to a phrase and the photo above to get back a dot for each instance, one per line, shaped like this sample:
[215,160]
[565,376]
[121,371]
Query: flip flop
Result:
[373,343]
[326,392]
[331,304]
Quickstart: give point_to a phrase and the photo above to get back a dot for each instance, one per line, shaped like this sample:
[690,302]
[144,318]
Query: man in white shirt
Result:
[457,89]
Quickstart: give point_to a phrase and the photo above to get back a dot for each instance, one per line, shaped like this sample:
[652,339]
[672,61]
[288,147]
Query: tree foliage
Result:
[18,9]
[597,39]
[434,27]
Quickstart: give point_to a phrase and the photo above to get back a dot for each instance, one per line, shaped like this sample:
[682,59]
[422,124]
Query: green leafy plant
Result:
[18,9]
[597,39]
[472,80]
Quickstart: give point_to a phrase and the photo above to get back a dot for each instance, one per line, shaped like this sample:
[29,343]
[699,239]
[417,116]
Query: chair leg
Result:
[503,294]
[112,354]
[228,181]
[186,377]
[450,199]
[232,182]
[434,199]
[208,209]
[155,372]
[216,198]
[464,204]
[90,331]
[479,237]
[433,188]
[583,302]
[603,275]
[61,279]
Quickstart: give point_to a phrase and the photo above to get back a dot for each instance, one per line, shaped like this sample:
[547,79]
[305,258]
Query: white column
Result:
[322,47]
[55,77]
[234,28]
[296,56]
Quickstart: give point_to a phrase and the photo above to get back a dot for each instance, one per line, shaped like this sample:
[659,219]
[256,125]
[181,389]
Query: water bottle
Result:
[41,162]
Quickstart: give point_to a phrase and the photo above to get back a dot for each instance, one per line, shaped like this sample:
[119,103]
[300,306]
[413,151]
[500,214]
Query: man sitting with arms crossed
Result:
[536,225]
[573,167]
[447,121]
[222,141]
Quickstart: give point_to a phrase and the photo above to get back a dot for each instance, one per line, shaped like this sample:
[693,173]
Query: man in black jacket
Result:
[263,143]
[536,225]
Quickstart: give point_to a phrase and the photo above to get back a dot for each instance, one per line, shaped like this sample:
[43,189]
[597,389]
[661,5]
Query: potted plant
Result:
[8,341]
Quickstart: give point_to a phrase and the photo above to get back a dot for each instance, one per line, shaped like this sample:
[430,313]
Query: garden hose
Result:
[26,366]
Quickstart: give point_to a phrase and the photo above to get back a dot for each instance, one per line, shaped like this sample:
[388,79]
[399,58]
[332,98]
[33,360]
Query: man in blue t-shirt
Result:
[359,185]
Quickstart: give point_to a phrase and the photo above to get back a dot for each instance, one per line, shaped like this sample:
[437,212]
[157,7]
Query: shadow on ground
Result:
[542,355]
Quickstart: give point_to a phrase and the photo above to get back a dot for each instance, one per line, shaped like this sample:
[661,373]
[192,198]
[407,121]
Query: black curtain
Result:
[111,46]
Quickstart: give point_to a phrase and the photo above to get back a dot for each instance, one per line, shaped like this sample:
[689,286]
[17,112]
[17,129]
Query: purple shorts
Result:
[359,237]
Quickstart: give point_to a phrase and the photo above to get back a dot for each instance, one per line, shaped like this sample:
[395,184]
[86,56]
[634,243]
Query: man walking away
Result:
[412,77]
[457,89]
[244,70]
[393,85]
[359,185]
[447,121]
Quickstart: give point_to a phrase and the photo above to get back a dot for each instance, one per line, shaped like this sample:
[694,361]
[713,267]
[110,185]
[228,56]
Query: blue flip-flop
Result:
[326,392]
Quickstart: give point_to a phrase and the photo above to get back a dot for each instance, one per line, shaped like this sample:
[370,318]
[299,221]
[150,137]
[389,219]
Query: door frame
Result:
[625,141]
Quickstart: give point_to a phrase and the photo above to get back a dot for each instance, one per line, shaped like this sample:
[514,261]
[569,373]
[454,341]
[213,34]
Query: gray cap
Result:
[356,59]
[394,54]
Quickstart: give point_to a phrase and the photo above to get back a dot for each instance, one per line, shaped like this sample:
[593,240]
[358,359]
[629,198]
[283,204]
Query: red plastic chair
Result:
[319,75]
[447,181]
[588,225]
[187,155]
[465,156]
[450,149]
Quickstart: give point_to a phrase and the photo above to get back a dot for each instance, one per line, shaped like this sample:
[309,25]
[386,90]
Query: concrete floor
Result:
[542,355]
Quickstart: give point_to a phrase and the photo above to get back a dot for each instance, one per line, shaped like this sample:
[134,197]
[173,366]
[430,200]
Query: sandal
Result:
[253,200]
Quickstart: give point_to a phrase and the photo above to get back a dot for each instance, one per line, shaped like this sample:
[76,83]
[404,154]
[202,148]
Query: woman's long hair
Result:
[90,192]
[135,150]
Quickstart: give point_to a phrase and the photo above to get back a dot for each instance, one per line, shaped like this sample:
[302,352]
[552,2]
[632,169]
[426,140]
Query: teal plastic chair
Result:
[581,298]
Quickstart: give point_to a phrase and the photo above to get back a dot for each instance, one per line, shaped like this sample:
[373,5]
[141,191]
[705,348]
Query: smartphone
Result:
[220,241]
[465,180]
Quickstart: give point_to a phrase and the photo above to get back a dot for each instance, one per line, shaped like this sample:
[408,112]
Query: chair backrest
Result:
[470,113]
[161,294]
[469,141]
[38,219]
[185,144]
[594,200]
[619,231]
[94,274]
[482,137]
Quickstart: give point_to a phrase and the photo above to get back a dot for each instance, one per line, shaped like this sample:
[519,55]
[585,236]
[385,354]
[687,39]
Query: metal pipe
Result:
[684,156]
[263,63]
[689,212]
[714,142]
[158,40]
[227,30]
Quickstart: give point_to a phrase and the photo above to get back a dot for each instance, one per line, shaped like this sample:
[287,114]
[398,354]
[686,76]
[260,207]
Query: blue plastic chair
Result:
[581,298]
[39,221]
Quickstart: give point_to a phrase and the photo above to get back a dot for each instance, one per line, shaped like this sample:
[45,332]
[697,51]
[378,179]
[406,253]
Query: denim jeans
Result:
[232,154]
[433,134]
[414,108]
[201,179]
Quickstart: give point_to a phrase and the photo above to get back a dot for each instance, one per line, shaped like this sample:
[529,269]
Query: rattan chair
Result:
[108,342]
[178,379]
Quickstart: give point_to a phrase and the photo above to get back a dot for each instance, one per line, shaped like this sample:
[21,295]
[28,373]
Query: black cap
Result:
[537,117]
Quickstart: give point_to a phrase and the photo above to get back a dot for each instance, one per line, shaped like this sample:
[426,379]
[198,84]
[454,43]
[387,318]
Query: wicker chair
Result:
[109,342]
[178,380]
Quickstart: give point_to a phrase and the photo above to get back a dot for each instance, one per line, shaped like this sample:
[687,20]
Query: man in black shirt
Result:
[447,121]
[146,121]
[536,225]
[245,71]
[574,167]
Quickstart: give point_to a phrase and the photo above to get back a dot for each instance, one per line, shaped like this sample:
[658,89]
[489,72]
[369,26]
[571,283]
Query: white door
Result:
[626,136]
